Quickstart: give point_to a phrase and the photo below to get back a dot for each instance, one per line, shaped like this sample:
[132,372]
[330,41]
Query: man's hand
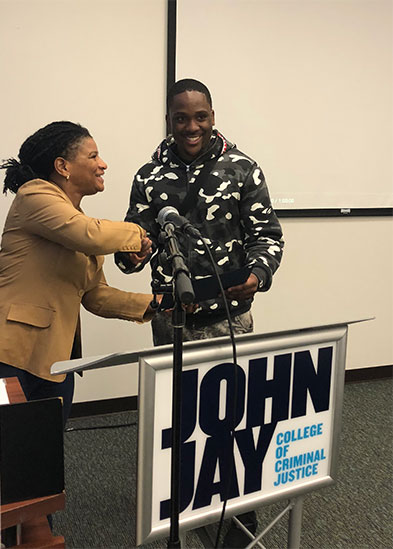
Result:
[138,257]
[243,291]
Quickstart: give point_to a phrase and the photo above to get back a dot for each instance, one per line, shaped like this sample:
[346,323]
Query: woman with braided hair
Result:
[51,259]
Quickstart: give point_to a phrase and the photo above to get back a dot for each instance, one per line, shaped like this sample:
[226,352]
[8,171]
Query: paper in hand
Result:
[209,288]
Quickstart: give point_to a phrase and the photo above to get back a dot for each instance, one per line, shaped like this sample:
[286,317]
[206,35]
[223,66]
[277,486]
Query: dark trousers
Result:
[36,388]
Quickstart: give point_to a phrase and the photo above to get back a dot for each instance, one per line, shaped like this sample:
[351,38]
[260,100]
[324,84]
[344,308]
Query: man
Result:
[231,208]
[223,193]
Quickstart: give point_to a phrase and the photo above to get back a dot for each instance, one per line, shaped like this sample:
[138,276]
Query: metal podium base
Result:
[295,509]
[302,363]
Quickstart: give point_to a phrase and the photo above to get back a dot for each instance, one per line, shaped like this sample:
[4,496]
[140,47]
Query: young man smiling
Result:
[191,120]
[230,206]
[228,202]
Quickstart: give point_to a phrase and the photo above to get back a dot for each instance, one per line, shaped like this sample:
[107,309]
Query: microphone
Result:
[169,214]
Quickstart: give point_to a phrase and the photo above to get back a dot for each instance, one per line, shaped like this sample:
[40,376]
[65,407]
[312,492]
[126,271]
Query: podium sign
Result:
[284,397]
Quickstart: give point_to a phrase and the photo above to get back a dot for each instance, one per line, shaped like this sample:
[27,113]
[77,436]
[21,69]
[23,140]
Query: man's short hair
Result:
[187,84]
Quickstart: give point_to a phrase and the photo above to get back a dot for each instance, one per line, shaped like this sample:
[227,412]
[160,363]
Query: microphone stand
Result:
[184,294]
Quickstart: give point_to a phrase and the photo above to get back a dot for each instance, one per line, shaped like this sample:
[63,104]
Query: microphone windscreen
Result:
[164,212]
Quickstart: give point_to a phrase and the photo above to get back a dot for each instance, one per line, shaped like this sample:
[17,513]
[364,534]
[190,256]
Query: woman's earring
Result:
[67,178]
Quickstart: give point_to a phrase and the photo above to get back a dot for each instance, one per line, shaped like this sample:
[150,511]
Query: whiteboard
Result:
[302,86]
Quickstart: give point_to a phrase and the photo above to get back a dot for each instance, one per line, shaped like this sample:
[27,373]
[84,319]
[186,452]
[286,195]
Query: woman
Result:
[51,259]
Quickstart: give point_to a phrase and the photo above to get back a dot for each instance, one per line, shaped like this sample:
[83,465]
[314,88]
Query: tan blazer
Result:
[51,262]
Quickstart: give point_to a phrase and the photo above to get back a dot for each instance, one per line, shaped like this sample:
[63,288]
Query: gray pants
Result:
[163,330]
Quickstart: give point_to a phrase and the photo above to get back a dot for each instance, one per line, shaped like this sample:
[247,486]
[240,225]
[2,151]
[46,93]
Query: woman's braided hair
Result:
[38,153]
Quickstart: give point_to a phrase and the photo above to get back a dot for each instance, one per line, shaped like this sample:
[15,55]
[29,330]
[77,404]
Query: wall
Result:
[336,270]
[305,87]
[103,63]
[333,270]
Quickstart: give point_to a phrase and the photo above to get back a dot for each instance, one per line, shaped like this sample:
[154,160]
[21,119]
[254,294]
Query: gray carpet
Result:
[355,513]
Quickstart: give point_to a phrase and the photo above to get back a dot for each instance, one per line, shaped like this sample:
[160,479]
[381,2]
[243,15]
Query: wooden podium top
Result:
[14,390]
[22,511]
[31,513]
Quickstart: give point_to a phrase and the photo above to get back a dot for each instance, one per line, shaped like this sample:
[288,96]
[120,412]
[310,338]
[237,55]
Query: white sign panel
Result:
[282,403]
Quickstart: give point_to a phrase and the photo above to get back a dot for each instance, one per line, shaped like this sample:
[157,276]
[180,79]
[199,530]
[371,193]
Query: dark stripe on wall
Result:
[171,47]
[369,374]
[107,406]
[171,44]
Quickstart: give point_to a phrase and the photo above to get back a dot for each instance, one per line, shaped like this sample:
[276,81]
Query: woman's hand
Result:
[138,257]
[154,304]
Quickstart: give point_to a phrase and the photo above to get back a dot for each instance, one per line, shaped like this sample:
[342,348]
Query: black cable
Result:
[224,298]
[234,354]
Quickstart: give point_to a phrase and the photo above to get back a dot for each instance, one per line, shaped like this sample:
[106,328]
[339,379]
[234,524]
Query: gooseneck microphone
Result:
[169,218]
[169,214]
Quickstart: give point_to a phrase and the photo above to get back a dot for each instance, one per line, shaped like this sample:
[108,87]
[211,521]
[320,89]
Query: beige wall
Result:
[305,87]
[346,276]
[336,270]
[103,63]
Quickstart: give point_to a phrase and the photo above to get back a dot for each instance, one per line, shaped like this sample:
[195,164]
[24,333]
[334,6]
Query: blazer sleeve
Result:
[46,211]
[140,211]
[109,302]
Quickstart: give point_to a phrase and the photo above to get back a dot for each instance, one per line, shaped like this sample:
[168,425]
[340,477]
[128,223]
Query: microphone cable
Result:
[234,355]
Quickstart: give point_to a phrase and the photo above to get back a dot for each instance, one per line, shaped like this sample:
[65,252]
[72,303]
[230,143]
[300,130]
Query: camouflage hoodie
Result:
[232,211]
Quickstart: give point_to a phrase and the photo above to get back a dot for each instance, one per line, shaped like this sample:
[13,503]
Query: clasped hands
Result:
[146,250]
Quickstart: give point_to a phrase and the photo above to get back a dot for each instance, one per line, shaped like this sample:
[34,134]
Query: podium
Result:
[25,522]
[288,389]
